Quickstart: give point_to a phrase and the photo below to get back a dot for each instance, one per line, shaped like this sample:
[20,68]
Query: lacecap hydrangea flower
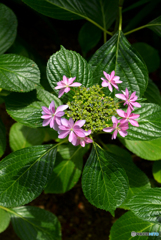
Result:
[90,111]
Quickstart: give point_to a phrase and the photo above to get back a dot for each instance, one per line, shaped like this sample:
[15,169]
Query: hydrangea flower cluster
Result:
[92,110]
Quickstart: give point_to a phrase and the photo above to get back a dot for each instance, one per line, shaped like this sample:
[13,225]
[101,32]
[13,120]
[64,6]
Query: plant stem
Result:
[136,29]
[105,36]
[120,18]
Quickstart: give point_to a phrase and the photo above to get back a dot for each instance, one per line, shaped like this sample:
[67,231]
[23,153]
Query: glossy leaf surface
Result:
[32,223]
[155,25]
[152,93]
[4,220]
[117,54]
[18,73]
[157,171]
[104,181]
[21,136]
[8,27]
[67,170]
[24,174]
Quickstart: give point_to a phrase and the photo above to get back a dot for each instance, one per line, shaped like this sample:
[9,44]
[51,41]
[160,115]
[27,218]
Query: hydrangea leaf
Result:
[146,205]
[157,171]
[32,223]
[101,13]
[135,184]
[24,174]
[18,73]
[2,138]
[122,229]
[21,136]
[4,220]
[152,93]
[8,27]
[149,150]
[149,123]
[70,64]
[104,180]
[67,170]
[89,36]
[155,25]
[117,54]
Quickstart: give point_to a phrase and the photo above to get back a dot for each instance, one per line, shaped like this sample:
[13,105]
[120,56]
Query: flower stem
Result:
[136,29]
[120,18]
[105,36]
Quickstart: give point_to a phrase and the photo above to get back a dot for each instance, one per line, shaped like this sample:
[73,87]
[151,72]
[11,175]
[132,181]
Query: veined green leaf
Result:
[32,223]
[67,170]
[24,174]
[152,93]
[2,138]
[18,73]
[21,136]
[8,27]
[70,64]
[155,25]
[102,13]
[4,219]
[104,181]
[117,54]
[128,223]
[157,171]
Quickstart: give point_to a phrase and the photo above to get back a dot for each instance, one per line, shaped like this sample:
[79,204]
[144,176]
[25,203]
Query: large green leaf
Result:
[4,219]
[32,223]
[25,108]
[149,123]
[8,27]
[157,171]
[117,54]
[104,181]
[89,36]
[149,54]
[67,169]
[146,205]
[99,12]
[21,136]
[18,73]
[149,150]
[152,93]
[70,64]
[127,224]
[24,174]
[155,25]
[135,184]
[2,138]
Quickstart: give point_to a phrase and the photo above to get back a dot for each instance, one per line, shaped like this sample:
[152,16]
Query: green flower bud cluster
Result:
[92,105]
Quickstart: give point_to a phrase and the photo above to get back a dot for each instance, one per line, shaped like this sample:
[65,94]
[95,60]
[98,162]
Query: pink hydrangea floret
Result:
[65,85]
[121,128]
[111,80]
[128,117]
[84,140]
[130,101]
[51,116]
[74,130]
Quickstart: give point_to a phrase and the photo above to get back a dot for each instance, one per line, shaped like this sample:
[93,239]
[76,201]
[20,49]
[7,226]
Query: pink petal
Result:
[79,132]
[72,138]
[88,140]
[127,93]
[61,108]
[113,84]
[65,80]
[79,123]
[63,134]
[61,92]
[112,74]
[136,104]
[105,83]
[134,116]
[76,84]
[121,96]
[46,116]
[114,135]
[46,122]
[106,75]
[65,122]
[124,126]
[55,125]
[58,120]
[46,110]
[67,89]
[71,123]
[108,129]
[123,133]
[134,123]
[52,107]
[64,128]
[71,80]
[116,78]
[118,81]
[59,114]
[114,120]
[52,122]
[121,113]
[82,142]
[61,86]
[133,95]
[110,87]
[87,132]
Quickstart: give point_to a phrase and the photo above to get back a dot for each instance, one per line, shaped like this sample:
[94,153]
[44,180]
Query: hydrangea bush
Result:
[109,94]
